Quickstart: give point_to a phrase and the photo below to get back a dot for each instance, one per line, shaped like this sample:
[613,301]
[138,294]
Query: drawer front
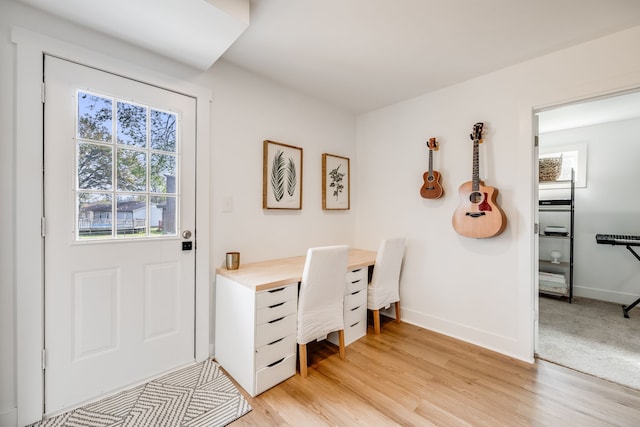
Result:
[358,274]
[356,280]
[355,299]
[355,330]
[275,329]
[269,376]
[274,351]
[275,311]
[277,295]
[355,314]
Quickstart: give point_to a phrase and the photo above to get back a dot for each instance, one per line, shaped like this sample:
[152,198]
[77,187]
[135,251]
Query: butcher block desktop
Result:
[264,275]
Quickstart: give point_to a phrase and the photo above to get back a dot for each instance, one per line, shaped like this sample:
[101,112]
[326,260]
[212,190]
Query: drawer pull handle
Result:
[271,291]
[356,292]
[276,341]
[276,305]
[275,363]
[354,324]
[355,281]
[355,271]
[355,308]
[276,320]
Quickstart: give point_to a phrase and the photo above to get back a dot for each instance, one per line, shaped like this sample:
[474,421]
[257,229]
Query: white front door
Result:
[119,181]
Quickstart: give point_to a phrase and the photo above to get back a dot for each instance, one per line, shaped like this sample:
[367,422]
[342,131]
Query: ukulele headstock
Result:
[432,144]
[476,135]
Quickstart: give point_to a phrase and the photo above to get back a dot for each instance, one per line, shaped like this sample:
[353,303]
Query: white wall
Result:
[7,272]
[481,291]
[609,205]
[245,110]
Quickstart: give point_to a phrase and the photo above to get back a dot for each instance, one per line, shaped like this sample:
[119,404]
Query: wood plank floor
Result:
[408,376]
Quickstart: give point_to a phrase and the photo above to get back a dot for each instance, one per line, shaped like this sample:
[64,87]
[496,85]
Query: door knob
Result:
[186,234]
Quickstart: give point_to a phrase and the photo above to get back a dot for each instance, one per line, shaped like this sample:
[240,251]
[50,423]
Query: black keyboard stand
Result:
[625,308]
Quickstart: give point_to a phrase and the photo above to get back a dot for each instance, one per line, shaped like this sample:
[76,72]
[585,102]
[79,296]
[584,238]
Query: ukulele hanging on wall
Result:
[478,215]
[431,189]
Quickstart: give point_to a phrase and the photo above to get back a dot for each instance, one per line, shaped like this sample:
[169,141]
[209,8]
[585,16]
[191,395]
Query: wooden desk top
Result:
[265,275]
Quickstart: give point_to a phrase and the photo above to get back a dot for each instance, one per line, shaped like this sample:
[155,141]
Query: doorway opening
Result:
[598,139]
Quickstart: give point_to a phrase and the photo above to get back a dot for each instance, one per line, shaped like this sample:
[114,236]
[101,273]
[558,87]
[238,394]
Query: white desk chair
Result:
[384,288]
[321,298]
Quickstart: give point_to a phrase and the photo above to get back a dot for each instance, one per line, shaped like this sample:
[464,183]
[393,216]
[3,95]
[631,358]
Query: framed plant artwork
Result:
[336,182]
[281,176]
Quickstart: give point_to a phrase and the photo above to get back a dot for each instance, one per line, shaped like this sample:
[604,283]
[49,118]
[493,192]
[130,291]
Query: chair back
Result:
[384,288]
[321,298]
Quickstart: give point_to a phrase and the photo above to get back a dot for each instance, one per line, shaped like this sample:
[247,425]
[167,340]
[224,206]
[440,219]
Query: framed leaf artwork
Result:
[281,176]
[336,182]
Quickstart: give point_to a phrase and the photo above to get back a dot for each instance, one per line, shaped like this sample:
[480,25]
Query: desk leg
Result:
[625,309]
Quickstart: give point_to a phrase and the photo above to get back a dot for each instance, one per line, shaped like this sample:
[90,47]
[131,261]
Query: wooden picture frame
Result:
[336,182]
[281,176]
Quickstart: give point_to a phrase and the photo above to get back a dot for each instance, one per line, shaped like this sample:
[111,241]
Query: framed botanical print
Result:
[281,176]
[336,182]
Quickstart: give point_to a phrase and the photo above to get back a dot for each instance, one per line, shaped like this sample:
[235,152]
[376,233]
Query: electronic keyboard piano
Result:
[618,239]
[627,241]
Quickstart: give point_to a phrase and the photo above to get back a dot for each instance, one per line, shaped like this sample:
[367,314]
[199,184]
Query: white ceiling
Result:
[366,54]
[590,112]
[194,32]
[356,54]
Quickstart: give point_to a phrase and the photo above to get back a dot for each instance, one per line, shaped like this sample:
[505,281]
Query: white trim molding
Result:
[30,48]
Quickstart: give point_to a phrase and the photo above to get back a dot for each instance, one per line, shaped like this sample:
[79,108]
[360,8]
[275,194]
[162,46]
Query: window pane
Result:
[163,216]
[163,173]
[132,170]
[116,188]
[94,117]
[132,216]
[94,215]
[132,125]
[163,131]
[94,167]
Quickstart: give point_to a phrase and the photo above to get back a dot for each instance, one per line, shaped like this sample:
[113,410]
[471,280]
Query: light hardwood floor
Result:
[409,376]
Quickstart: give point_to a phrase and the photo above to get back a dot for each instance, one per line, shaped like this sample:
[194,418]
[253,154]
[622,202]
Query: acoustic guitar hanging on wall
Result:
[478,215]
[431,189]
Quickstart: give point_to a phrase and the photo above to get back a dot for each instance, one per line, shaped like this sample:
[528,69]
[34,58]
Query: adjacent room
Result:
[587,320]
[167,167]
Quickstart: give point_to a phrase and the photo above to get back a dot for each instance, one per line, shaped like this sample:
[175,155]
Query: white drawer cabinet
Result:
[355,307]
[255,333]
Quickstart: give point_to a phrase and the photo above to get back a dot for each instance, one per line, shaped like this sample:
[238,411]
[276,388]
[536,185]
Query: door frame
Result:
[29,247]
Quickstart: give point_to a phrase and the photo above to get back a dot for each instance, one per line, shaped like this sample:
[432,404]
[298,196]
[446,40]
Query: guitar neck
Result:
[475,186]
[430,162]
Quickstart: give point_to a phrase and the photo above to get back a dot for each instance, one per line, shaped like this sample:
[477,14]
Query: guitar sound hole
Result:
[475,197]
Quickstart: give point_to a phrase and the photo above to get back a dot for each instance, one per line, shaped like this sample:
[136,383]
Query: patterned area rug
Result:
[199,395]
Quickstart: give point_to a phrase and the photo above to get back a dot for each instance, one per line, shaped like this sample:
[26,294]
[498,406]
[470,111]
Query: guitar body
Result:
[431,189]
[478,215]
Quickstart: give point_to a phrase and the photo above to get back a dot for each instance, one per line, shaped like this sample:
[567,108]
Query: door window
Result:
[126,187]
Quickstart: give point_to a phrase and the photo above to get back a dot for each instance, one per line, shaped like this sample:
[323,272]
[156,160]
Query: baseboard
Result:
[9,418]
[506,345]
[604,295]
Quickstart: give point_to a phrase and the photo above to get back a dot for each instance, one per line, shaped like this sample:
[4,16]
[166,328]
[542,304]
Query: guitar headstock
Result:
[476,135]
[432,144]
